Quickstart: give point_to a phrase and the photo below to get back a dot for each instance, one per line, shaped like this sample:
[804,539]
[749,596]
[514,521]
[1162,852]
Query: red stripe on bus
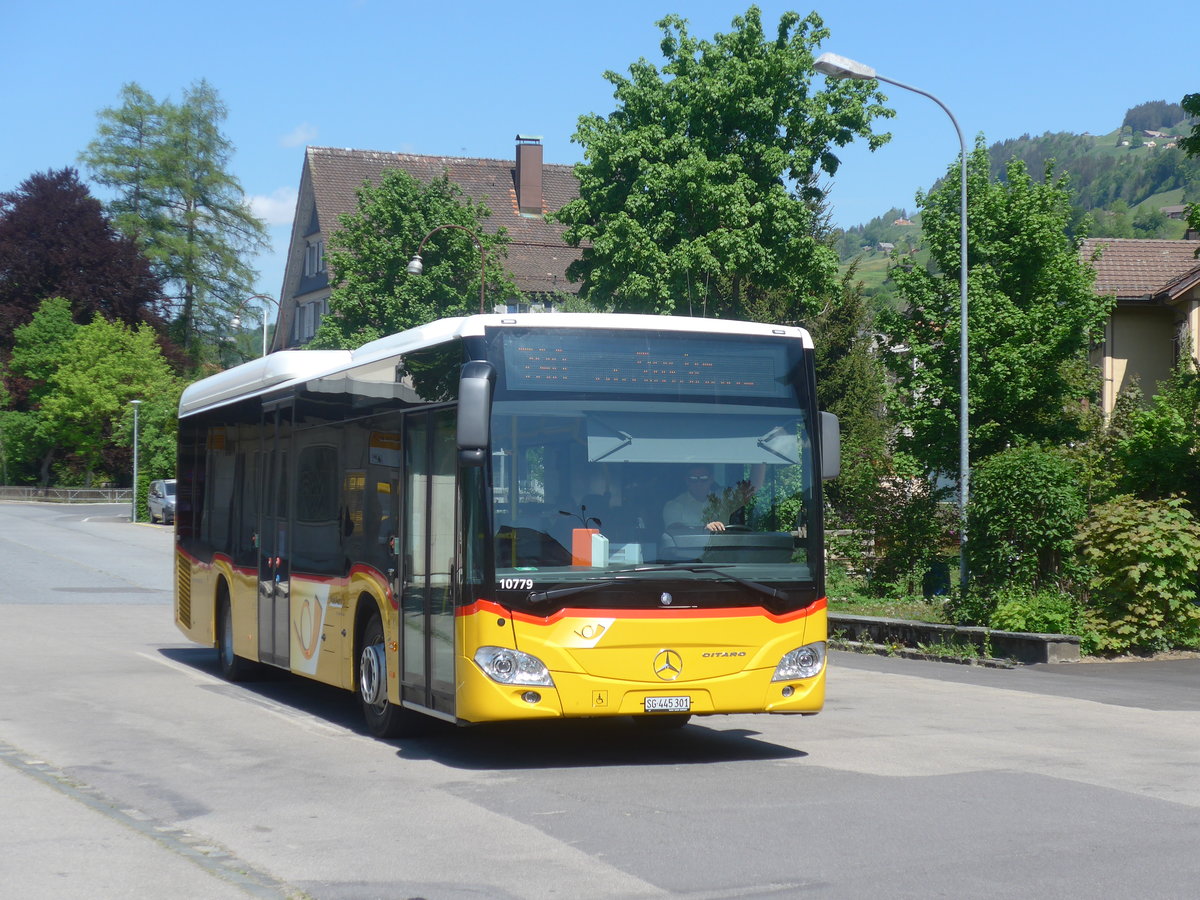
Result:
[487,606]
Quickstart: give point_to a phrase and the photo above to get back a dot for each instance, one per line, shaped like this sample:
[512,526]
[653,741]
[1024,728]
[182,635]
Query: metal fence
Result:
[67,494]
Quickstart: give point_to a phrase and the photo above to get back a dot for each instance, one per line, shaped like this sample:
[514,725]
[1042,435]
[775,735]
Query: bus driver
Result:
[703,503]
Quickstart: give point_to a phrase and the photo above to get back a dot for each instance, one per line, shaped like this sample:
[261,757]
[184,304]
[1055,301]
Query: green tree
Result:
[373,295]
[850,384]
[1032,315]
[698,194]
[127,156]
[38,348]
[103,367]
[168,164]
[1191,146]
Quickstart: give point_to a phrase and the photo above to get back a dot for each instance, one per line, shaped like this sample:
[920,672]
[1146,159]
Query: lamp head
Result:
[842,67]
[415,266]
[235,322]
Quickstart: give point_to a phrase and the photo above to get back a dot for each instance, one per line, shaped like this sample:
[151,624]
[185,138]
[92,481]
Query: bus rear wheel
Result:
[384,719]
[233,667]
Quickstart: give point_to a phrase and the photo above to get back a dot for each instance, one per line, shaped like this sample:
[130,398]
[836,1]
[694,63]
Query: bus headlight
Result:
[512,666]
[803,662]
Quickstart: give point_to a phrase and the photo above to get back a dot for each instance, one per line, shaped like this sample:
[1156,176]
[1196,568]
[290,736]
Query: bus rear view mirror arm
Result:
[474,412]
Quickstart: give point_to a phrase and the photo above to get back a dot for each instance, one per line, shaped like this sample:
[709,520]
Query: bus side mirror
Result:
[831,446]
[475,412]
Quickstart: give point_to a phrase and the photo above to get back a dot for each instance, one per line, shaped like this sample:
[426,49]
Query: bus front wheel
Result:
[383,718]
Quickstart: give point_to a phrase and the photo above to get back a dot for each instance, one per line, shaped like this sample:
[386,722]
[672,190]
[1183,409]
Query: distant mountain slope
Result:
[1128,183]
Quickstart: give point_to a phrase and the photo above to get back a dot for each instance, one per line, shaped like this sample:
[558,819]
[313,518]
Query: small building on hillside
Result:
[1157,316]
[520,192]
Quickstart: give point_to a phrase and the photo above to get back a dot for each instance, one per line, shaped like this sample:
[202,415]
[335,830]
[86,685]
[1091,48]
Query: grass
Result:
[912,608]
[846,595]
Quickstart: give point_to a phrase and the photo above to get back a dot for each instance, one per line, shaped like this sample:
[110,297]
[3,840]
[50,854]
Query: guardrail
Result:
[67,494]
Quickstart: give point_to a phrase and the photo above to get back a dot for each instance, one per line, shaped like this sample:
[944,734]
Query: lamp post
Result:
[417,267]
[236,321]
[133,516]
[834,66]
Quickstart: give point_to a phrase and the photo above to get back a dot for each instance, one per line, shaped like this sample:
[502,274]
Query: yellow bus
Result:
[514,517]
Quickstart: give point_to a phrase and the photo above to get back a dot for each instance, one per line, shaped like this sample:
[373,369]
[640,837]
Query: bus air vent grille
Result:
[183,590]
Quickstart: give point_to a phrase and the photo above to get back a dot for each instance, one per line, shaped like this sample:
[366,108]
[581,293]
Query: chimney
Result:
[529,174]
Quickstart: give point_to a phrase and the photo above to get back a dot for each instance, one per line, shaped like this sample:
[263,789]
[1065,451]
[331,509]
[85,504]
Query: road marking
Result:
[216,860]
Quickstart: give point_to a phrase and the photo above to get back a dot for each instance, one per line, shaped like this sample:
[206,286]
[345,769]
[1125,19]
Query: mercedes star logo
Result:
[668,665]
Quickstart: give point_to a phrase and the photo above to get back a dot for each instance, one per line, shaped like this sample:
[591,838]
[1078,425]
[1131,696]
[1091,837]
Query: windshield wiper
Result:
[558,593]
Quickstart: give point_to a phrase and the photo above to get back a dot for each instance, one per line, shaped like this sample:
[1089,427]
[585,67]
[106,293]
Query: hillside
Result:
[1127,183]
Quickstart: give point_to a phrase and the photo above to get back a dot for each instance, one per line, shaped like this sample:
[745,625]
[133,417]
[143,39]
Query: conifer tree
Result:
[168,164]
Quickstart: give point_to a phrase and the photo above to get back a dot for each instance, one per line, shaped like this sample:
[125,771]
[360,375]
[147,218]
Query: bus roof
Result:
[291,367]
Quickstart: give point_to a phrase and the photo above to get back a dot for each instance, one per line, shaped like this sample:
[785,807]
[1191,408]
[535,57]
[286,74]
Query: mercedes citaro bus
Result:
[516,517]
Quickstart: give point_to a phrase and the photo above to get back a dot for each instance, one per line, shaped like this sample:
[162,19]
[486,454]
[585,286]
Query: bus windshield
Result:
[666,479]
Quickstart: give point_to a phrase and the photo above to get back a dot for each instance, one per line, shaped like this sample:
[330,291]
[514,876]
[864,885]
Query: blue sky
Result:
[466,77]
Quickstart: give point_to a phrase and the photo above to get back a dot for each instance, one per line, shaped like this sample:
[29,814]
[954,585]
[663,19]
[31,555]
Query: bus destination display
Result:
[653,364]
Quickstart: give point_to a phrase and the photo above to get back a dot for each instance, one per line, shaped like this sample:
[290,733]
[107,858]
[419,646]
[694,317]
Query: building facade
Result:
[1157,316]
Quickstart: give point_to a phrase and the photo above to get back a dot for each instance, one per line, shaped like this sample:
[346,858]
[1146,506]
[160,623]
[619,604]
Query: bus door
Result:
[274,536]
[429,563]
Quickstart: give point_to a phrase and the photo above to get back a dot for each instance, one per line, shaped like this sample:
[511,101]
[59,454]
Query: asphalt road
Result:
[129,769]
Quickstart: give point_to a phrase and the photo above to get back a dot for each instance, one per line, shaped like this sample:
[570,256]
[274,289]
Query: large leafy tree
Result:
[38,349]
[56,242]
[1032,311]
[85,410]
[698,194]
[373,295]
[168,165]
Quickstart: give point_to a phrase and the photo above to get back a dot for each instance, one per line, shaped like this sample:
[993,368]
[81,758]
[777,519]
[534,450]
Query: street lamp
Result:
[835,66]
[133,516]
[236,321]
[416,267]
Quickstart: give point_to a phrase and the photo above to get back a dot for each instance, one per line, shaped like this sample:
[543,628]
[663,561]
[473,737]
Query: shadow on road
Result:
[573,743]
[511,745]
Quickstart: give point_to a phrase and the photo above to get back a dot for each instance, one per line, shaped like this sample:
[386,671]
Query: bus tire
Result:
[233,667]
[668,722]
[384,720]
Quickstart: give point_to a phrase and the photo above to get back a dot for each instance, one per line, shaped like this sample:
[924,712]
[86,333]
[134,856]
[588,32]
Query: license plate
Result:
[668,704]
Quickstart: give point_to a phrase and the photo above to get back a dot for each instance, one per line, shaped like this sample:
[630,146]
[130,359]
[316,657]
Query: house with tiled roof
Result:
[520,192]
[1157,287]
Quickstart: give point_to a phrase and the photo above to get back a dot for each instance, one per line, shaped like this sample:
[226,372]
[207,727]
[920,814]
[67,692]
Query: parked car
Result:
[161,501]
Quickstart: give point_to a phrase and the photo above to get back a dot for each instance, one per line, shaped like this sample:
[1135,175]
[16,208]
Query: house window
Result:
[314,258]
[308,319]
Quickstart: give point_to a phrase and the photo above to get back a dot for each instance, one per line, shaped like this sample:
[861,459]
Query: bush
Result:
[1156,454]
[1046,611]
[1145,555]
[1026,505]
